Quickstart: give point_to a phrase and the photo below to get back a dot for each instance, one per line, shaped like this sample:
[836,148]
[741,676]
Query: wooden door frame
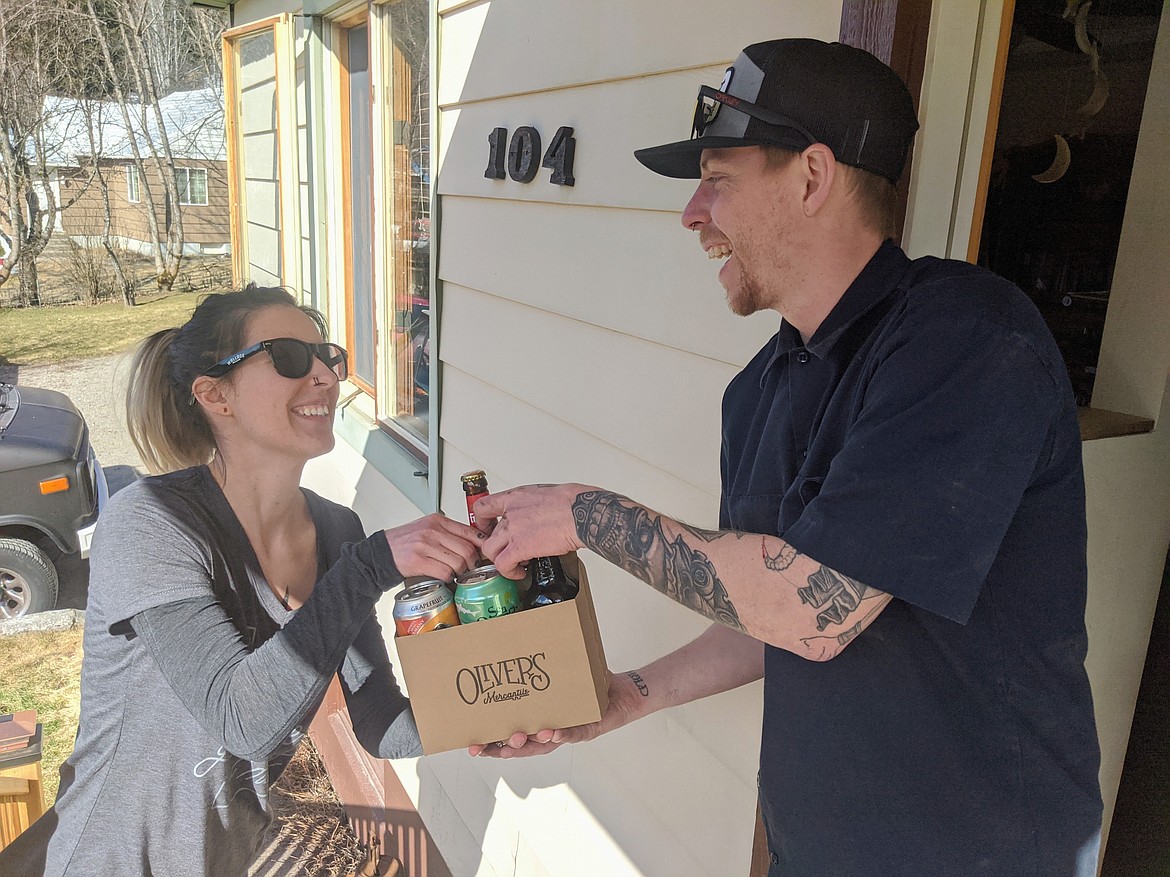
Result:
[897,32]
[360,18]
[992,129]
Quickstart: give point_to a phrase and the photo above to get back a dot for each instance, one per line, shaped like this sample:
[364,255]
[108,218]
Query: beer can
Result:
[482,593]
[425,606]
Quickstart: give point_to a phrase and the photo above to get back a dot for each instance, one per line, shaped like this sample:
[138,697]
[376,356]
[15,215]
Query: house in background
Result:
[194,128]
[576,333]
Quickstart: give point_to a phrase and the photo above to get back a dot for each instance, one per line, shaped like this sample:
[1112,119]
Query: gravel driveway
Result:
[98,388]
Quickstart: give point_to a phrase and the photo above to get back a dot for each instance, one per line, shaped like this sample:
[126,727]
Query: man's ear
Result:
[820,168]
[209,395]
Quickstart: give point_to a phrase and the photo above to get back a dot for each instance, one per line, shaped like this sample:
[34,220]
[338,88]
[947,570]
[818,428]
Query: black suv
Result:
[51,490]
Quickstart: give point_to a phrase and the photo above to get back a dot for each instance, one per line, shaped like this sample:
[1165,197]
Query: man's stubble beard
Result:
[747,301]
[749,297]
[751,294]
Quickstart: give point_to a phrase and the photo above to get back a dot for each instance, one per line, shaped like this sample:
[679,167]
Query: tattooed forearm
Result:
[705,535]
[831,643]
[630,536]
[711,535]
[783,558]
[834,594]
[643,689]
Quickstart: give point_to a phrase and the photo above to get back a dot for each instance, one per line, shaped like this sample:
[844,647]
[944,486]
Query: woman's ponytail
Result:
[169,432]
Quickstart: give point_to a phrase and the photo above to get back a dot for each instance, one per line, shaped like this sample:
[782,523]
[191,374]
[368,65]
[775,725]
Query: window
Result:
[406,140]
[192,185]
[384,144]
[357,195]
[132,194]
[1058,179]
[261,143]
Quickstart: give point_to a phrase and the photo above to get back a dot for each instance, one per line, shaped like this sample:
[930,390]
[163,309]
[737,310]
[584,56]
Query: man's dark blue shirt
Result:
[924,442]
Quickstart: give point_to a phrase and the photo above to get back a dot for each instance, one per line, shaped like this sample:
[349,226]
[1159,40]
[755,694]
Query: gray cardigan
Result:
[197,684]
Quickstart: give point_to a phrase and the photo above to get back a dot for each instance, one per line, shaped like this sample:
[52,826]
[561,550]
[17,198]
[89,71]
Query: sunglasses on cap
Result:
[711,99]
[291,357]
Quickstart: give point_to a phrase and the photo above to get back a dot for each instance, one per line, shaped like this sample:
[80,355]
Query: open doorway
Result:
[1071,108]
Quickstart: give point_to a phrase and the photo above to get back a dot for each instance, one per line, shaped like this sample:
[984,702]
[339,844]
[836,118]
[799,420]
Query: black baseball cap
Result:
[793,93]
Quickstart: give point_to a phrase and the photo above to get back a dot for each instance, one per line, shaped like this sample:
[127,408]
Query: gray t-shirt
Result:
[197,685]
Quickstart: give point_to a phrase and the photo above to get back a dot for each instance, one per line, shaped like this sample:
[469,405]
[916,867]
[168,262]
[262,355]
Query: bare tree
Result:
[168,245]
[162,43]
[33,48]
[132,52]
[94,129]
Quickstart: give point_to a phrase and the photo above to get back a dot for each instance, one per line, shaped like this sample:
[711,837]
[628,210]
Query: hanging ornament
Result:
[1060,163]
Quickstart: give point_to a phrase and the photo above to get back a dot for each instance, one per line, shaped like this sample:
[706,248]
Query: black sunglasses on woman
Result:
[291,357]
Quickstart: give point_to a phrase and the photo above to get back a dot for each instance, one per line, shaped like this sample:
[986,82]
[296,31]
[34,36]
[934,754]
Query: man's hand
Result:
[532,521]
[626,703]
[435,546]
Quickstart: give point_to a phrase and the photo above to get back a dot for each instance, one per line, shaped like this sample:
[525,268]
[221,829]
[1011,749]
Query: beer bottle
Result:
[474,486]
[550,584]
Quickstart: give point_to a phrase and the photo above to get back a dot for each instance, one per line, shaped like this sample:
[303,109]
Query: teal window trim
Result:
[434,444]
[389,458]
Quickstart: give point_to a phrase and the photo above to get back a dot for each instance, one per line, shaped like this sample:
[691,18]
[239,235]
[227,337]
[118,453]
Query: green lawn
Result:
[42,671]
[40,336]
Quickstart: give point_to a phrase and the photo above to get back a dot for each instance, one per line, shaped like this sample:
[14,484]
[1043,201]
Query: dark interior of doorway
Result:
[1073,95]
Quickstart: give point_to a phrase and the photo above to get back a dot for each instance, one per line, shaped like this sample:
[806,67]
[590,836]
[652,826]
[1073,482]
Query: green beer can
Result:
[482,593]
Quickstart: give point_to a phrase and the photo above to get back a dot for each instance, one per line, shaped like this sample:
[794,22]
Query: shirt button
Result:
[803,356]
[775,859]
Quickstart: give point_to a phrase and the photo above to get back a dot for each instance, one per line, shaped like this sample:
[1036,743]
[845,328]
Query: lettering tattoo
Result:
[643,689]
[630,536]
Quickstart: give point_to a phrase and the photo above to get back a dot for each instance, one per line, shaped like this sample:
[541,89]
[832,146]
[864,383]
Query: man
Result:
[902,542]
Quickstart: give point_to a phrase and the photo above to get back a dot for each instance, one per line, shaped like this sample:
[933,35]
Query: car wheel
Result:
[28,579]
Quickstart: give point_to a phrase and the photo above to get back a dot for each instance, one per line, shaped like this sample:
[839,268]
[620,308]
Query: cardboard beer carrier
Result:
[482,682]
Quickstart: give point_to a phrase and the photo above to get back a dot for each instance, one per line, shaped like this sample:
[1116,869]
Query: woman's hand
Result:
[626,703]
[435,547]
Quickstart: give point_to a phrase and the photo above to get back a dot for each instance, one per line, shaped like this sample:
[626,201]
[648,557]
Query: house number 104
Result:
[522,155]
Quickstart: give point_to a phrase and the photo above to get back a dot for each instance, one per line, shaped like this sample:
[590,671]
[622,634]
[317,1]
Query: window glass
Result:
[192,185]
[409,143]
[250,78]
[383,135]
[132,183]
[197,186]
[363,329]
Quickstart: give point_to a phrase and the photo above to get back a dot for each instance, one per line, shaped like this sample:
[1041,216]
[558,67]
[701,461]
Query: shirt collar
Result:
[877,279]
[880,276]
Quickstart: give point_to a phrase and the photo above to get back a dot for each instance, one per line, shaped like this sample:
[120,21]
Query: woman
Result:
[223,598]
